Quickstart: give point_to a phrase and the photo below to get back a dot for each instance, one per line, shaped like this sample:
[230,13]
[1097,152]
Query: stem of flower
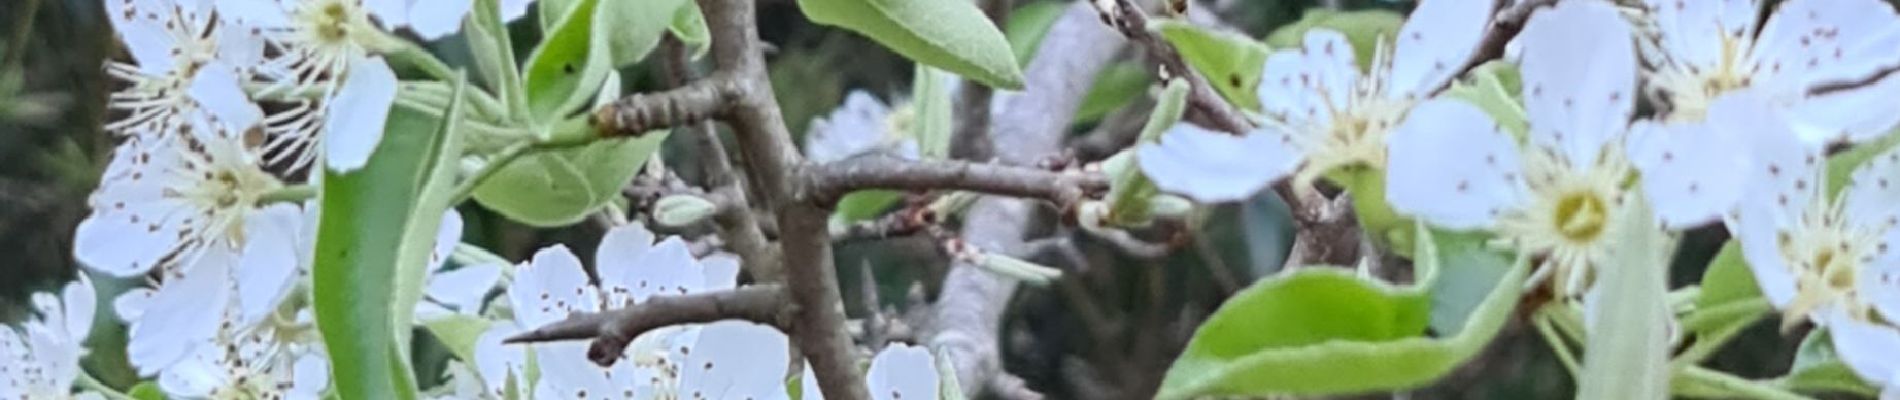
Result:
[1564,355]
[409,53]
[288,194]
[467,187]
[1730,385]
[87,382]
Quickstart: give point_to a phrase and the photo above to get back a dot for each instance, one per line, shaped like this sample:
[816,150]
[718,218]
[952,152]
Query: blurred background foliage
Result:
[1108,330]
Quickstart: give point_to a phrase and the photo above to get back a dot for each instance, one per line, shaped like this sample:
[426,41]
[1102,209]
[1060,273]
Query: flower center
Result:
[1825,254]
[1580,216]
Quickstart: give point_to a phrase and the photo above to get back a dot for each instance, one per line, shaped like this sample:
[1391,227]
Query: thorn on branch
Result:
[613,330]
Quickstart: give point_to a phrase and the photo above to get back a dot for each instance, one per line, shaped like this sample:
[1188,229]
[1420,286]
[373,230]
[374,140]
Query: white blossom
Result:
[458,290]
[41,361]
[186,69]
[249,365]
[1559,193]
[862,125]
[1321,114]
[898,372]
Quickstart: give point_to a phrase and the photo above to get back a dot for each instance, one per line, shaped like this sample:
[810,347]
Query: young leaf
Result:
[1727,279]
[1117,85]
[1231,62]
[952,35]
[459,333]
[633,28]
[1628,356]
[690,27]
[570,63]
[363,214]
[930,96]
[559,187]
[1128,197]
[1324,331]
[1817,369]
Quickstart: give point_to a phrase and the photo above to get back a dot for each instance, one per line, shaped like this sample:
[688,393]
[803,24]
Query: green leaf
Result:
[865,204]
[1629,340]
[1493,87]
[689,25]
[569,65]
[1817,369]
[1468,273]
[1324,331]
[1028,24]
[493,52]
[560,187]
[1117,85]
[1364,29]
[1375,215]
[354,283]
[633,28]
[551,12]
[146,391]
[949,386]
[930,98]
[435,190]
[1727,279]
[952,35]
[1128,196]
[1230,61]
[459,333]
[1840,167]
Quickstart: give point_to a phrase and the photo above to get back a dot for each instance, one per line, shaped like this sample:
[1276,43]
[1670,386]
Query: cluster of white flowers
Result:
[42,361]
[1740,120]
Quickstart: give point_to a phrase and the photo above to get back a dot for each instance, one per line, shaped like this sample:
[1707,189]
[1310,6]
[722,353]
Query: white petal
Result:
[447,236]
[141,24]
[354,125]
[1691,32]
[514,9]
[81,302]
[133,226]
[464,287]
[1436,41]
[268,266]
[1449,164]
[1579,72]
[721,271]
[496,362]
[216,89]
[196,376]
[903,372]
[1866,347]
[1213,167]
[736,360]
[667,270]
[1852,115]
[808,385]
[568,373]
[550,287]
[310,376]
[621,250]
[131,305]
[433,19]
[1689,169]
[391,13]
[854,128]
[1812,42]
[254,13]
[1782,180]
[184,313]
[1302,87]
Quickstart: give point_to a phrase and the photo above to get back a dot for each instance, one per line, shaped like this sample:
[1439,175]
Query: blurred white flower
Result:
[328,47]
[42,360]
[898,372]
[862,125]
[1453,166]
[454,291]
[1699,50]
[1320,113]
[187,68]
[631,268]
[249,365]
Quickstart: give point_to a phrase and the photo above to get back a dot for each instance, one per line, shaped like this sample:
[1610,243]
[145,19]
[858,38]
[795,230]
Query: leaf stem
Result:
[1557,345]
[507,155]
[1732,385]
[288,194]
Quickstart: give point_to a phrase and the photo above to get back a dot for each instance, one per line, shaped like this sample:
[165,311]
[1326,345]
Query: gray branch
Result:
[613,330]
[831,181]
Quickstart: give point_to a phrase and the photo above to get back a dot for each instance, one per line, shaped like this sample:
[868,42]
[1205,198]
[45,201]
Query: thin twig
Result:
[738,226]
[639,113]
[613,330]
[1203,102]
[832,181]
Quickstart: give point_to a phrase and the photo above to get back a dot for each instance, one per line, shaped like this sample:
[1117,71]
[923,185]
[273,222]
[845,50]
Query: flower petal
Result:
[81,301]
[667,270]
[550,287]
[1303,87]
[354,125]
[1689,168]
[736,360]
[310,376]
[721,271]
[1435,43]
[447,236]
[1782,179]
[391,14]
[1579,72]
[130,305]
[1866,347]
[464,287]
[134,225]
[217,91]
[901,371]
[434,19]
[621,250]
[268,266]
[855,128]
[497,362]
[1450,164]
[578,377]
[1853,115]
[142,25]
[1814,42]
[185,312]
[265,14]
[514,9]
[1213,167]
[1691,32]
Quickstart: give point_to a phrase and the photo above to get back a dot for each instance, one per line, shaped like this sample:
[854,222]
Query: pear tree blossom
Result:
[1321,112]
[863,125]
[249,365]
[898,372]
[1556,194]
[186,68]
[41,360]
[459,290]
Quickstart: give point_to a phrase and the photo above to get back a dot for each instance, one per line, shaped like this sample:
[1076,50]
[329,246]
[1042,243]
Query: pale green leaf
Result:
[930,100]
[1628,342]
[1131,190]
[865,204]
[633,28]
[560,187]
[1817,369]
[1365,29]
[953,35]
[459,333]
[1230,61]
[1493,87]
[563,72]
[1117,85]
[690,27]
[1727,279]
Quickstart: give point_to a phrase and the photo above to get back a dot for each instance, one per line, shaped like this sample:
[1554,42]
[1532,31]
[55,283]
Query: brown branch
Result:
[639,113]
[1203,103]
[737,225]
[613,330]
[831,181]
[971,140]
